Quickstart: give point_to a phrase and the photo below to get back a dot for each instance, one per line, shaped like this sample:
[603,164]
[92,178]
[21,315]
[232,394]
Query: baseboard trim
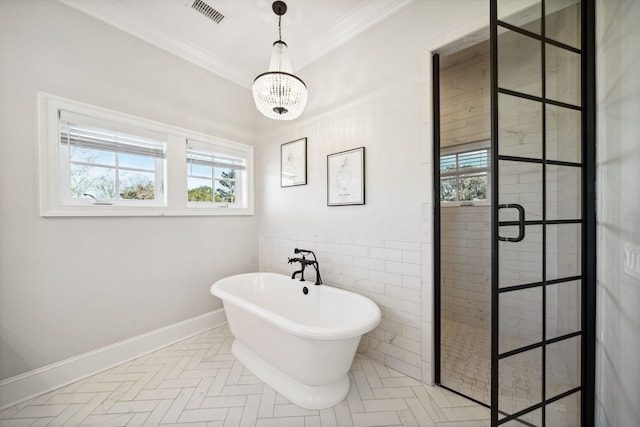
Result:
[42,380]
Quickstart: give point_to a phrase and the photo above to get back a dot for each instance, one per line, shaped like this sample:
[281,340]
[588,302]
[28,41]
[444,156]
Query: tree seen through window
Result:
[463,176]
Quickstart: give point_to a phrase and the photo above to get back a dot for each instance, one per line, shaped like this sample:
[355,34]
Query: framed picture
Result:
[293,163]
[345,178]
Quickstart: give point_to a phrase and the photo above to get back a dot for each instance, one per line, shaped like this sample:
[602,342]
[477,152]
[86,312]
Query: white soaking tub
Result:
[301,345]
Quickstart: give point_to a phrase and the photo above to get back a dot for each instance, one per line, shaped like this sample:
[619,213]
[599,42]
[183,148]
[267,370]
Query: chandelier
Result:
[279,94]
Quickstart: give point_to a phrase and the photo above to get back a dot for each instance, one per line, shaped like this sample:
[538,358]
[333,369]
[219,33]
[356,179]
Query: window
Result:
[464,175]
[105,166]
[215,175]
[100,162]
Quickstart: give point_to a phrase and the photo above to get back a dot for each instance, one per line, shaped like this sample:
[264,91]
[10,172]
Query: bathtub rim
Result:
[373,314]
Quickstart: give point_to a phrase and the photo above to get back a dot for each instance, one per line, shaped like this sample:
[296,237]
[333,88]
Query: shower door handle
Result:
[520,222]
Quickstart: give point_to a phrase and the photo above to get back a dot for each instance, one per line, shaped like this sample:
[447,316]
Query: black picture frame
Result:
[293,163]
[346,178]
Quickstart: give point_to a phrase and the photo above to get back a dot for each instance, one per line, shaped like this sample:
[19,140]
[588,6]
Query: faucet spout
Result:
[303,263]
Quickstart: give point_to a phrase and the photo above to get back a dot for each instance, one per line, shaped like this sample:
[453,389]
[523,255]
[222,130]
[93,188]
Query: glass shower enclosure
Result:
[514,275]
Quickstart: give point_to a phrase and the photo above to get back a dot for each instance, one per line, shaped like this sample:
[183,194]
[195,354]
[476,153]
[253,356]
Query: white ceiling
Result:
[239,47]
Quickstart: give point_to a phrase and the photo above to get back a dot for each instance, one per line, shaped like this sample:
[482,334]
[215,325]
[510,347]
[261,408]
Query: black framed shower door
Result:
[543,220]
[542,214]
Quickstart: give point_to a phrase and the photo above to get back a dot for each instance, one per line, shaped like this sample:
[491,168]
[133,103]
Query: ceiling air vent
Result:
[207,11]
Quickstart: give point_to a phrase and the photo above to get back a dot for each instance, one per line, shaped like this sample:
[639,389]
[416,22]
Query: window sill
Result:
[112,210]
[460,204]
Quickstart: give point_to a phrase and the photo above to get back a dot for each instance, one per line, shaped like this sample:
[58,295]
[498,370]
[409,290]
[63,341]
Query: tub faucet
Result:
[305,262]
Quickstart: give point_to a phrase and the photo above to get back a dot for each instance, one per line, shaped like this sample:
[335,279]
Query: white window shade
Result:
[77,130]
[204,154]
[76,135]
[125,127]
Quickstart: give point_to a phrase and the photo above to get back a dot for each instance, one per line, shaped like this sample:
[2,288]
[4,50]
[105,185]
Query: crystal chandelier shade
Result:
[279,94]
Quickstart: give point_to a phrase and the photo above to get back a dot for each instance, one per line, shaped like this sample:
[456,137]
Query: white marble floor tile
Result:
[198,382]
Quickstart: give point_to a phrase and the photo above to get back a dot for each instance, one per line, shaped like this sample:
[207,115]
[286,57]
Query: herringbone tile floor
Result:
[198,382]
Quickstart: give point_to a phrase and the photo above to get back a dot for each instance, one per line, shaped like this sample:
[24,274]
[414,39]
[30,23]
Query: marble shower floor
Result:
[466,368]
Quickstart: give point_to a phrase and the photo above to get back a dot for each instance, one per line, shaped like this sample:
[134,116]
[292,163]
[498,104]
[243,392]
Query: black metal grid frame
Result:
[435,76]
[587,220]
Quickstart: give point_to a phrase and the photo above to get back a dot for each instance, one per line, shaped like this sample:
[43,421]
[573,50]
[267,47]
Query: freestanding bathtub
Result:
[302,345]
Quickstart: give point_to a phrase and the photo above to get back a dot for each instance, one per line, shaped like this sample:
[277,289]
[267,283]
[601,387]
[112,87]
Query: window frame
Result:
[65,163]
[457,150]
[174,187]
[219,152]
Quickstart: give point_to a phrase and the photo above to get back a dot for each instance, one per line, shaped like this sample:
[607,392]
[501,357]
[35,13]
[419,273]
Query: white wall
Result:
[618,156]
[70,285]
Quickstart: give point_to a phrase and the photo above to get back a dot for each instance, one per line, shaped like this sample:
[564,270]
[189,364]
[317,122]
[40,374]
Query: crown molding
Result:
[128,21]
[361,19]
[113,13]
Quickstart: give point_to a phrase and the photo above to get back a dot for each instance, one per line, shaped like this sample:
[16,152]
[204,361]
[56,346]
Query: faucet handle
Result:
[304,252]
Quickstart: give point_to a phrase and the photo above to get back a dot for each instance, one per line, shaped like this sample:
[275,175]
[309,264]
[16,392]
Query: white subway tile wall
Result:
[466,264]
[387,271]
[464,96]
